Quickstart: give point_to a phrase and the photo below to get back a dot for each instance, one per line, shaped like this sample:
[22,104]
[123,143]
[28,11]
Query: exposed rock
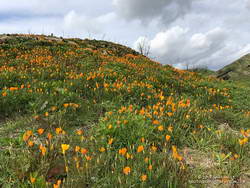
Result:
[3,38]
[226,128]
[198,159]
[55,173]
[73,43]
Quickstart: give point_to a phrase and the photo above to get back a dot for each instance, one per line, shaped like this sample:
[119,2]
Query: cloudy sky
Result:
[198,33]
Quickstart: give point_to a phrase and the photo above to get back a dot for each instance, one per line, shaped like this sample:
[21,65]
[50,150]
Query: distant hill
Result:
[204,71]
[238,70]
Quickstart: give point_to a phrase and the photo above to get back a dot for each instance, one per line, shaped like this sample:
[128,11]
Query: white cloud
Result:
[74,21]
[199,41]
[163,42]
[179,45]
[147,10]
[242,51]
[93,25]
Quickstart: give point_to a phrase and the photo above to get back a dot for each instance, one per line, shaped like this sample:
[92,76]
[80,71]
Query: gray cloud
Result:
[94,25]
[180,47]
[247,3]
[147,10]
[54,7]
[212,34]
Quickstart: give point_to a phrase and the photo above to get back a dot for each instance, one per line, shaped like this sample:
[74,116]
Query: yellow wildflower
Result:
[156,122]
[30,143]
[79,132]
[123,151]
[170,114]
[182,167]
[140,149]
[236,156]
[160,128]
[102,149]
[36,117]
[243,141]
[77,149]
[42,149]
[49,136]
[77,164]
[59,130]
[13,88]
[144,177]
[201,126]
[175,153]
[110,141]
[146,160]
[167,137]
[245,133]
[170,128]
[150,167]
[76,105]
[40,131]
[27,135]
[53,108]
[153,148]
[65,105]
[32,179]
[57,185]
[84,151]
[88,157]
[128,156]
[126,170]
[65,147]
[4,94]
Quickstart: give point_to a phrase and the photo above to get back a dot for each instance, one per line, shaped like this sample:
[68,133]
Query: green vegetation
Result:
[237,71]
[204,71]
[87,113]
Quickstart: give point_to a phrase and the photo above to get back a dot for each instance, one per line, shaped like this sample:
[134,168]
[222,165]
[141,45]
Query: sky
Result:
[182,33]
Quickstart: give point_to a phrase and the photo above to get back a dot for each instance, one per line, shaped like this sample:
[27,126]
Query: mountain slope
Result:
[97,114]
[238,70]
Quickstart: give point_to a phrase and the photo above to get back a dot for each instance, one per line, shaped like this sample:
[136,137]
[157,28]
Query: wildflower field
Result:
[88,113]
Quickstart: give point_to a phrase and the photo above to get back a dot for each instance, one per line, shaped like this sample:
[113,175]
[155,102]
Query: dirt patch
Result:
[3,38]
[226,128]
[198,159]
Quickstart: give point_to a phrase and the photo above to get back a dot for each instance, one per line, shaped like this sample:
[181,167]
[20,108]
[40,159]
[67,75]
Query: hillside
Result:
[88,113]
[238,70]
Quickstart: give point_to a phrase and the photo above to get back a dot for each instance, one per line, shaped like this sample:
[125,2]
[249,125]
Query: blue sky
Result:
[200,33]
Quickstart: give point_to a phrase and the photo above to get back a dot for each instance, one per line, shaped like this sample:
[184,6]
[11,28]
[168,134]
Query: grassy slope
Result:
[204,71]
[127,120]
[238,70]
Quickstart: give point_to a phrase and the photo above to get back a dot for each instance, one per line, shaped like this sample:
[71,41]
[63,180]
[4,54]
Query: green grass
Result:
[237,71]
[128,121]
